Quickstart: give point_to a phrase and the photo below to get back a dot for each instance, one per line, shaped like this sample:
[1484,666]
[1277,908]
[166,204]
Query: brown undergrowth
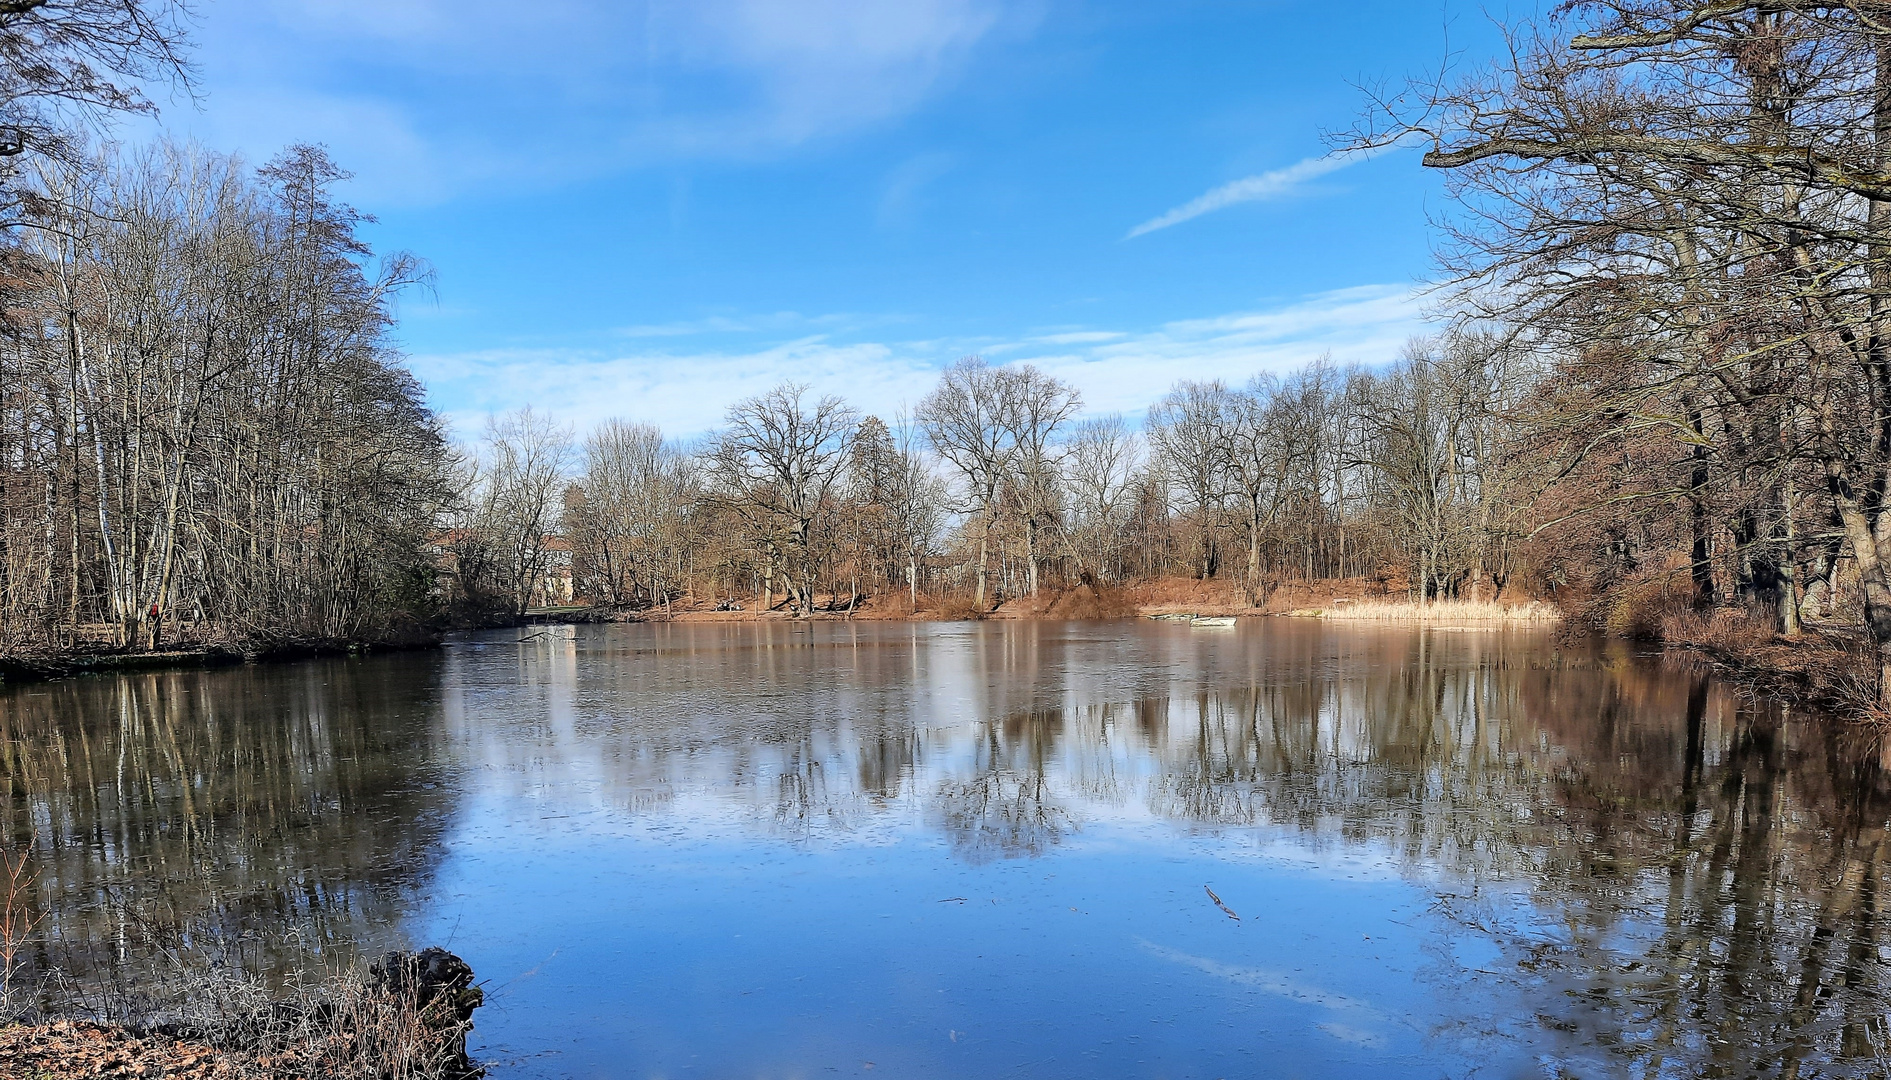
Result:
[189,1013]
[1820,668]
[346,1026]
[1087,601]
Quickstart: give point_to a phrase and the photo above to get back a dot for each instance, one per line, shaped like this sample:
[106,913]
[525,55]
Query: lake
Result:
[1111,849]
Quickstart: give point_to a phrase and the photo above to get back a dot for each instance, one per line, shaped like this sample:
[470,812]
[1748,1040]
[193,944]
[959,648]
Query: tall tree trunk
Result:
[984,542]
[1700,555]
[1030,553]
[1254,553]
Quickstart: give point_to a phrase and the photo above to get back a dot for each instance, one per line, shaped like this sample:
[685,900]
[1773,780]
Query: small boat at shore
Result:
[1174,616]
[1212,620]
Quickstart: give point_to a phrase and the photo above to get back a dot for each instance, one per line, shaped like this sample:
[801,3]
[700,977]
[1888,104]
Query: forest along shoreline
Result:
[307,499]
[1823,668]
[1694,454]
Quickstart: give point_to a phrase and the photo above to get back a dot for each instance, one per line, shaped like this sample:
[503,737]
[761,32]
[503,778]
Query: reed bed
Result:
[1448,612]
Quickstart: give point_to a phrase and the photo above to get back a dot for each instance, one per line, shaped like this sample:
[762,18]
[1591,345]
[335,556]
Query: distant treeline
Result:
[997,485]
[1667,390]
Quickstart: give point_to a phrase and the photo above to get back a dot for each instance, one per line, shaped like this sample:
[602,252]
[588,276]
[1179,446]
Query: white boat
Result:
[1212,620]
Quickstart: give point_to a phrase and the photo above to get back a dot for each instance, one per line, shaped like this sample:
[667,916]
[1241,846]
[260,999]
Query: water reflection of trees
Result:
[1003,806]
[1705,871]
[207,807]
[1695,879]
[1721,864]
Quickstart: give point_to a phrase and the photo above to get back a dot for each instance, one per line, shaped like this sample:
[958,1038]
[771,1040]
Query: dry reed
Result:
[1450,612]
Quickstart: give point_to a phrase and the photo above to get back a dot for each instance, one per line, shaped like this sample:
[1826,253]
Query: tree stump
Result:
[440,986]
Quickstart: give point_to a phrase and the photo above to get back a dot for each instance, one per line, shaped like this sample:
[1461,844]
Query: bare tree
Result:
[1188,433]
[965,419]
[777,463]
[1034,406]
[1100,459]
[68,66]
[897,506]
[525,458]
[220,439]
[628,518]
[1260,459]
[1686,202]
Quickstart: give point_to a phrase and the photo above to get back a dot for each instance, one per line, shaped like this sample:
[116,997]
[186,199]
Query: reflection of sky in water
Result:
[688,955]
[786,850]
[943,851]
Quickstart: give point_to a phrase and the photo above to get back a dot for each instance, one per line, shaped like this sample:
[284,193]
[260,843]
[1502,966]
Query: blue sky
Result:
[648,208]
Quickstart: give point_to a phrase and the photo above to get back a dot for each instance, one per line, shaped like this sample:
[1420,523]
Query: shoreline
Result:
[407,1015]
[1817,669]
[46,667]
[1141,600]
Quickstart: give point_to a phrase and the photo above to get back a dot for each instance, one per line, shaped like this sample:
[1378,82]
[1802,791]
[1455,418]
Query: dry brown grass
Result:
[954,607]
[1640,606]
[1726,632]
[347,1027]
[1172,594]
[218,1023]
[1446,612]
[1092,602]
[1822,669]
[1072,602]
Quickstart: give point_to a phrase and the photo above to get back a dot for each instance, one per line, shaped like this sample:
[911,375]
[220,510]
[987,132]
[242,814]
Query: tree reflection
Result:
[1699,873]
[1003,806]
[1686,880]
[1722,887]
[291,809]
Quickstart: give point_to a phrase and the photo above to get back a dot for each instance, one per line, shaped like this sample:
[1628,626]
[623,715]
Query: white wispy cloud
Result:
[686,393]
[1267,185]
[425,99]
[1079,337]
[1365,325]
[686,390]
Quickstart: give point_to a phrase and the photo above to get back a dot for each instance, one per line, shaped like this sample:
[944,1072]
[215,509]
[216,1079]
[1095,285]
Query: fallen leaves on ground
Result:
[80,1050]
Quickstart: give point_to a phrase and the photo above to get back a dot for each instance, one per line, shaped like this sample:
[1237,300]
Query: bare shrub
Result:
[18,921]
[1090,602]
[1729,632]
[1637,607]
[399,1023]
[953,607]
